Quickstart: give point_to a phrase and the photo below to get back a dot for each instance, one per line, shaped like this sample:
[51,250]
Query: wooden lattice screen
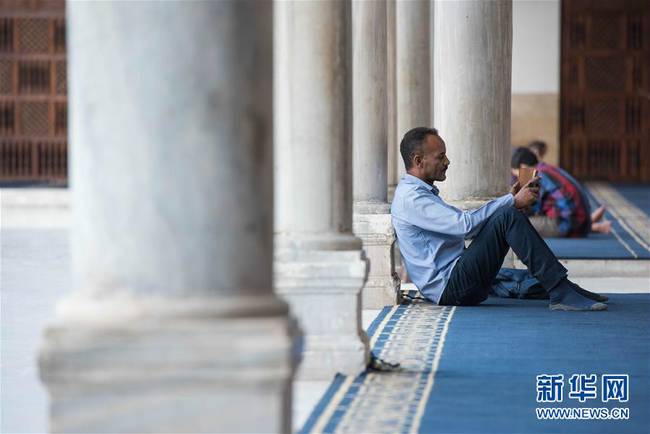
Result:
[605,89]
[33,91]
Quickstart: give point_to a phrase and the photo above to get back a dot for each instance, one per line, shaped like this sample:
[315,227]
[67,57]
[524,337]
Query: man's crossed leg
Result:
[471,278]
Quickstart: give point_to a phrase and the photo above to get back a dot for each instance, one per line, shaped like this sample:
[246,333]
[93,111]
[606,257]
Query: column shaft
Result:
[413,68]
[313,122]
[473,44]
[391,99]
[369,101]
[168,329]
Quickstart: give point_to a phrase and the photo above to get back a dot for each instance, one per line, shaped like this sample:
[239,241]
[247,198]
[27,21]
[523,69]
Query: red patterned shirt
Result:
[563,199]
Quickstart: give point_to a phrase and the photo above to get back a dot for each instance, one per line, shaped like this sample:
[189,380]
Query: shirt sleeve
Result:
[444,219]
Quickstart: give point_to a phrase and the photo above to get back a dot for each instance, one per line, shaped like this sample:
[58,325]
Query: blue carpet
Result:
[599,246]
[486,380]
[473,369]
[638,194]
[620,244]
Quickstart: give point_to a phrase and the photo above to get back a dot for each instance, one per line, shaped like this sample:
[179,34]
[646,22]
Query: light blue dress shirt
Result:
[431,233]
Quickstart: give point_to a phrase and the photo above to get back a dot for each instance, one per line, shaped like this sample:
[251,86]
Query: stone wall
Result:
[537,116]
[536,74]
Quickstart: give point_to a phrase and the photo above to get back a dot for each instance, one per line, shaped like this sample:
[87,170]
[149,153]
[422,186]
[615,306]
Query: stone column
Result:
[320,267]
[372,221]
[413,69]
[472,49]
[173,325]
[391,100]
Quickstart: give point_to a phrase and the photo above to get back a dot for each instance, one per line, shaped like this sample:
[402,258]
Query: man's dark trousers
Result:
[471,278]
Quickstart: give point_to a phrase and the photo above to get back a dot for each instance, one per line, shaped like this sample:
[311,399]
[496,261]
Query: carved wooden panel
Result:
[605,89]
[33,91]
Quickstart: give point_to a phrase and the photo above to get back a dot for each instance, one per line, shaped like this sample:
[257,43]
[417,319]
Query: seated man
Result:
[431,235]
[562,209]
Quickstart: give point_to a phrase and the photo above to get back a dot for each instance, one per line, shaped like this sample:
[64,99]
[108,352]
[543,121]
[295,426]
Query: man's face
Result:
[432,164]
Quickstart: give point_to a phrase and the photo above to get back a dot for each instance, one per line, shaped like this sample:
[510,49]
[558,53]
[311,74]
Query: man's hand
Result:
[528,194]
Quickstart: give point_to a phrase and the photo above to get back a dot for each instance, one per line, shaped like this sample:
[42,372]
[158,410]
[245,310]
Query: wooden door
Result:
[33,91]
[605,89]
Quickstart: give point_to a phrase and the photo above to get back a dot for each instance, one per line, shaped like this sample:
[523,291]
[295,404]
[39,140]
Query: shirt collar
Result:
[410,179]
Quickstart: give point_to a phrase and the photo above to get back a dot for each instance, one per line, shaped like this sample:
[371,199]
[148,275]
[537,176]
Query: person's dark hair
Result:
[523,156]
[412,143]
[538,146]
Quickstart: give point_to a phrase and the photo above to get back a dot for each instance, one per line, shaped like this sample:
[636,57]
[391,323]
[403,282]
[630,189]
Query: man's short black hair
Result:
[412,143]
[523,156]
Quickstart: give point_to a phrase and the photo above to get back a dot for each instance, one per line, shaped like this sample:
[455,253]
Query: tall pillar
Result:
[173,325]
[472,49]
[391,100]
[372,221]
[413,69]
[320,267]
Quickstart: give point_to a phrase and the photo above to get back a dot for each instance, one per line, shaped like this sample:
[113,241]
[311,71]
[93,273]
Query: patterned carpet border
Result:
[633,219]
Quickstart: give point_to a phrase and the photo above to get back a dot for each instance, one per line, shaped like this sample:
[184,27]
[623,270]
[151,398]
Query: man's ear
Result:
[417,159]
